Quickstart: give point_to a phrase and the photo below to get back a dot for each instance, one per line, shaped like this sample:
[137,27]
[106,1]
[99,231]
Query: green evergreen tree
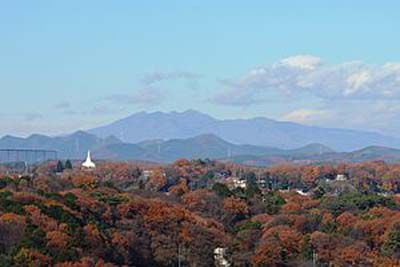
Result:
[60,166]
[307,250]
[68,165]
[221,190]
[391,247]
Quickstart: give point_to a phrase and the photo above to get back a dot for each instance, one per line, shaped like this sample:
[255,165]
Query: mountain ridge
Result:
[257,131]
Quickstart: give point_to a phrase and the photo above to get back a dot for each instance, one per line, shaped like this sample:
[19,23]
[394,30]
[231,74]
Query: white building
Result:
[219,257]
[240,183]
[235,182]
[147,174]
[88,164]
[341,177]
[300,192]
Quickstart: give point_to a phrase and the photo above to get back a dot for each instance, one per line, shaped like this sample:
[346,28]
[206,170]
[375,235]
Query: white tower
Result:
[88,163]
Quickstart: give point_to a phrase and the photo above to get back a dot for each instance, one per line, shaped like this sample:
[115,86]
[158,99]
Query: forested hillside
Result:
[163,215]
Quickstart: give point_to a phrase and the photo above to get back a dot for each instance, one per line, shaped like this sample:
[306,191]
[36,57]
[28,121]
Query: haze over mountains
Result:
[257,131]
[164,137]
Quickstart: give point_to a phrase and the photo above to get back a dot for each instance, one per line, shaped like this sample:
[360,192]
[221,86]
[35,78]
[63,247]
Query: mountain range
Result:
[75,146]
[72,146]
[164,137]
[144,126]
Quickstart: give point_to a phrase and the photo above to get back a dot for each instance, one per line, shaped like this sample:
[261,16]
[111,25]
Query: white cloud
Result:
[353,80]
[305,74]
[392,66]
[351,94]
[358,79]
[306,62]
[307,116]
[283,76]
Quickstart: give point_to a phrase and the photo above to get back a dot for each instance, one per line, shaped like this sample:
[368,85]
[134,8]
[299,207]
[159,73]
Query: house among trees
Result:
[146,175]
[235,182]
[341,177]
[219,256]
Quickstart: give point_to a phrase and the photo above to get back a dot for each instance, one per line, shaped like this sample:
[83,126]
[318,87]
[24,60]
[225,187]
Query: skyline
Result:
[69,66]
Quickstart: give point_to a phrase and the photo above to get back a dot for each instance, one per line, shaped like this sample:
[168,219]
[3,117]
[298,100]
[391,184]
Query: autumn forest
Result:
[201,213]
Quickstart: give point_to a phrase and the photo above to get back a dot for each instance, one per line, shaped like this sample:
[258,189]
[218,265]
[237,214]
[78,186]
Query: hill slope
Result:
[202,146]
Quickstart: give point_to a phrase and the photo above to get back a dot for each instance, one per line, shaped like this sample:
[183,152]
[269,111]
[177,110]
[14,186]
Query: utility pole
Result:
[179,255]
[314,258]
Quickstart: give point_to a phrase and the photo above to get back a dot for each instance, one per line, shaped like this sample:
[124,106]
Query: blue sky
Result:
[68,65]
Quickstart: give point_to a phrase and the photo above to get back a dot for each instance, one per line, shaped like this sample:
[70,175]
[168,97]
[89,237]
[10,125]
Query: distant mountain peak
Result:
[314,148]
[9,136]
[37,135]
[79,133]
[193,112]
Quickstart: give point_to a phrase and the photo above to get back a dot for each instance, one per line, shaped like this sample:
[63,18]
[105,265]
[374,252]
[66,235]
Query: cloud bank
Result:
[352,94]
[307,74]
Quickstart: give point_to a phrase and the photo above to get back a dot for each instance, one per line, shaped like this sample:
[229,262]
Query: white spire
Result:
[89,163]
